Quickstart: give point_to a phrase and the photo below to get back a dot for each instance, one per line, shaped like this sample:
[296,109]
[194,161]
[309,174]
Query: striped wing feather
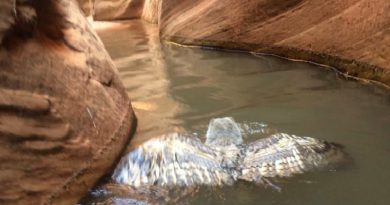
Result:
[283,155]
[172,160]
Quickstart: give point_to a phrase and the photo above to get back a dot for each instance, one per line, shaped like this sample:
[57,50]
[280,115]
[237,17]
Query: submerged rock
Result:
[64,114]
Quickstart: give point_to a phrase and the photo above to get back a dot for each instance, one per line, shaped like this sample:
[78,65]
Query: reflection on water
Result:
[181,89]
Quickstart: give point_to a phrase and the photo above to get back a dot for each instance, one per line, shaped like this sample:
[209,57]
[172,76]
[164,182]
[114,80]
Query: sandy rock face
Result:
[151,11]
[352,35]
[109,10]
[86,6]
[64,114]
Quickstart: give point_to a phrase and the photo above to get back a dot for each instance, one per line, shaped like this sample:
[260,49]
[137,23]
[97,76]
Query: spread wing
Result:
[283,155]
[172,160]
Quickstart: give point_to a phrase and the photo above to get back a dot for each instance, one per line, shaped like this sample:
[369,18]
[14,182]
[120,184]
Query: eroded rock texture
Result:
[112,9]
[151,11]
[86,6]
[64,114]
[352,35]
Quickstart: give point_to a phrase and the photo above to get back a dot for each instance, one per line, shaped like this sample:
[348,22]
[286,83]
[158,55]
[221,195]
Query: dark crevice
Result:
[107,84]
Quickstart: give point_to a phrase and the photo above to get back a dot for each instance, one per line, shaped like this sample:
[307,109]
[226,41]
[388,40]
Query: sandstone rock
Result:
[151,11]
[117,9]
[23,101]
[106,10]
[352,35]
[86,6]
[64,115]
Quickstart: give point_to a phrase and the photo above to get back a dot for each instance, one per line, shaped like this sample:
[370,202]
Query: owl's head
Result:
[223,132]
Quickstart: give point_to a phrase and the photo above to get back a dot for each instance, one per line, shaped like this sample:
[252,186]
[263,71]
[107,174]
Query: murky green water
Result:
[181,89]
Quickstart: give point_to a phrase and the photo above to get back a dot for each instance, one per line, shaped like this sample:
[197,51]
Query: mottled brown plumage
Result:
[176,160]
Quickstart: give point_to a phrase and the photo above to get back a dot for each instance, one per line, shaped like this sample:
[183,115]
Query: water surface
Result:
[177,89]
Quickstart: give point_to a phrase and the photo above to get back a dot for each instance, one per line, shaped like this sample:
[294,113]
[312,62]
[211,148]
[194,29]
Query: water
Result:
[177,89]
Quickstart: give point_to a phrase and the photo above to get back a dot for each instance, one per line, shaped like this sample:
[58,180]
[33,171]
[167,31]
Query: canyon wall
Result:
[117,9]
[65,116]
[111,10]
[352,35]
[151,11]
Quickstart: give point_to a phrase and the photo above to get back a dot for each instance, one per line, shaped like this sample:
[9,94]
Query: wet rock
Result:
[351,35]
[64,114]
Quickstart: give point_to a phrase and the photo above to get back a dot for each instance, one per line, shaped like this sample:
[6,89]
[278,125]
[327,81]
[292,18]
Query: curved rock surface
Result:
[151,11]
[352,35]
[64,115]
[108,10]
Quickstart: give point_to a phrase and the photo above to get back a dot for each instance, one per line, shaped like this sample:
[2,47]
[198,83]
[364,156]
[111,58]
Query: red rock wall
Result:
[151,11]
[117,9]
[109,10]
[86,6]
[353,35]
[65,116]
